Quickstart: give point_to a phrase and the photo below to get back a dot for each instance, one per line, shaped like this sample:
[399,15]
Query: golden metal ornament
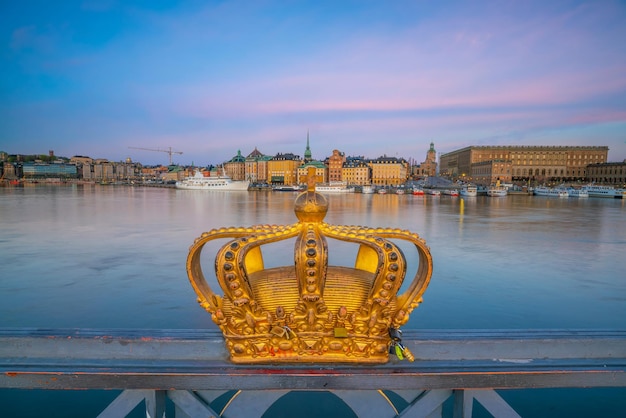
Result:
[309,311]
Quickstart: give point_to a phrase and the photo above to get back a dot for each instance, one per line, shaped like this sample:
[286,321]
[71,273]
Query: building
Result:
[357,171]
[428,168]
[537,164]
[335,166]
[235,168]
[608,173]
[389,171]
[283,169]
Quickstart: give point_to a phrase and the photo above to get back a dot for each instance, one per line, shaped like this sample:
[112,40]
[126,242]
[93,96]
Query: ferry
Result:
[604,191]
[334,187]
[217,182]
[572,192]
[548,191]
[469,191]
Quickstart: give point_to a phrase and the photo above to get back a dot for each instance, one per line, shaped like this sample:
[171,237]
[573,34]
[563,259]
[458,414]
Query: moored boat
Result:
[451,192]
[432,192]
[497,191]
[549,191]
[572,192]
[334,187]
[417,191]
[604,191]
[469,191]
[367,189]
[285,188]
[200,181]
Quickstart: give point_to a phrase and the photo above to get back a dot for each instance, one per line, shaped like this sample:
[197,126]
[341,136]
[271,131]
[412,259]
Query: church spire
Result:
[307,152]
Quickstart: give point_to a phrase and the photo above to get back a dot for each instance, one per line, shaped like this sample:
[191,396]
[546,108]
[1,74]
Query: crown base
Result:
[308,347]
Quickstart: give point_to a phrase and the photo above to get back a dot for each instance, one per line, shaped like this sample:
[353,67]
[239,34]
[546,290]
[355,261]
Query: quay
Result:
[191,368]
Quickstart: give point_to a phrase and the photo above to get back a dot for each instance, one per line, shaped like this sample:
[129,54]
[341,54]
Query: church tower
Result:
[307,152]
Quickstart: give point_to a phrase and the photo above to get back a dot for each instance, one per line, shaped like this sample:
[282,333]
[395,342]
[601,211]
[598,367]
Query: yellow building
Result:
[356,171]
[283,169]
[389,171]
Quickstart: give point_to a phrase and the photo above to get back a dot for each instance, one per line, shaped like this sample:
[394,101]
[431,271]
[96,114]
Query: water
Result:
[114,256]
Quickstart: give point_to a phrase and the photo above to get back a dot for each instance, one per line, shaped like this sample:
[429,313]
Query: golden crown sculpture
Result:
[310,311]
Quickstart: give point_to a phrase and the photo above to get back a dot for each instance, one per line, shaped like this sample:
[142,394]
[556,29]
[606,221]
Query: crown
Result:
[310,311]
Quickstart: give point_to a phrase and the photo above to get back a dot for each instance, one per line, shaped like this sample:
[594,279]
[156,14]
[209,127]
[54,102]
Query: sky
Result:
[100,78]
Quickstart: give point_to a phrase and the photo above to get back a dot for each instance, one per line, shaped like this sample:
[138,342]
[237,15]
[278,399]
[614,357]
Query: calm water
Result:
[109,256]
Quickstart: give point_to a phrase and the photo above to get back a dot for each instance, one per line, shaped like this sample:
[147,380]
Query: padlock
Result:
[395,334]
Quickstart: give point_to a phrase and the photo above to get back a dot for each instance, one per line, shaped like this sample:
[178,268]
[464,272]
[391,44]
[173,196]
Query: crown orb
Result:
[311,207]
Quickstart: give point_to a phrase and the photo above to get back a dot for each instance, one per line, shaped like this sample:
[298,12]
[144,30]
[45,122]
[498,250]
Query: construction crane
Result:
[169,151]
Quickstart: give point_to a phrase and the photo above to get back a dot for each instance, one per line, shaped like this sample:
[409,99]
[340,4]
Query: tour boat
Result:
[218,182]
[497,191]
[604,191]
[469,191]
[549,191]
[572,192]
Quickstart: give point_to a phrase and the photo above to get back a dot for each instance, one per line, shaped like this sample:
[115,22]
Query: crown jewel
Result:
[309,311]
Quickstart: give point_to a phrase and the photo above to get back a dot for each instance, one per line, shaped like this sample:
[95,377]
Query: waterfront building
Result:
[389,171]
[255,171]
[428,167]
[33,171]
[357,171]
[608,173]
[282,169]
[491,172]
[235,168]
[539,164]
[335,166]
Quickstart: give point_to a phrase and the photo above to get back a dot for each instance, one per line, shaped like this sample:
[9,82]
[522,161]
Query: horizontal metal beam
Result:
[197,360]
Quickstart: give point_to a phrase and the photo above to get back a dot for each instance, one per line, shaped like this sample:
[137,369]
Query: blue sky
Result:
[368,78]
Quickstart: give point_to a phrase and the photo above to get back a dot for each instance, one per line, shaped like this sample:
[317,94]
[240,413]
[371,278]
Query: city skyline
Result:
[207,79]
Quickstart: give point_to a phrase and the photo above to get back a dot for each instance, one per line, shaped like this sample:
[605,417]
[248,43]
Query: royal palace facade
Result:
[522,163]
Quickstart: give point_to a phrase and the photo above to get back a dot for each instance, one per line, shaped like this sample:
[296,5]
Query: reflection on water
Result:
[117,255]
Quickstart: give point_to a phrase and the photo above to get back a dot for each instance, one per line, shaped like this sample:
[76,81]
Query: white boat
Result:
[497,191]
[572,192]
[217,182]
[451,192]
[382,190]
[432,192]
[285,188]
[367,189]
[549,191]
[604,191]
[469,191]
[334,187]
[399,191]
